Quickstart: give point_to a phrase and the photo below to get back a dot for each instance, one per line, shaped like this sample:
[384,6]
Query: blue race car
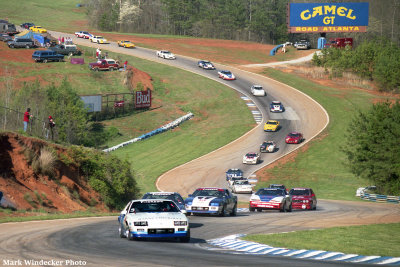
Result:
[234,173]
[276,106]
[211,200]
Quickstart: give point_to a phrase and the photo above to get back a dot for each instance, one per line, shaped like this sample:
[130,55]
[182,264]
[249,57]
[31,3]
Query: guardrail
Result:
[380,198]
[162,129]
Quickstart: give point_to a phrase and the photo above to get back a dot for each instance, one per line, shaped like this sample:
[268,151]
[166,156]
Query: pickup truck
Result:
[47,55]
[104,64]
[69,50]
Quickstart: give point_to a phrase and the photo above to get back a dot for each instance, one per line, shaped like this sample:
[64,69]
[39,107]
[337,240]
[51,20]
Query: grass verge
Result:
[21,216]
[368,240]
[322,166]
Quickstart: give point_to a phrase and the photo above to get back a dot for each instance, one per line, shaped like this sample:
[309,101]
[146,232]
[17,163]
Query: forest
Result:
[248,20]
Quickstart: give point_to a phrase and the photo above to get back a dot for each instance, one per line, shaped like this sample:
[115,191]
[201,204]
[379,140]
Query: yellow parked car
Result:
[271,126]
[38,29]
[126,44]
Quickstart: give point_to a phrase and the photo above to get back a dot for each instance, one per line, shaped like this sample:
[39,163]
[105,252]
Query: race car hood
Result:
[301,197]
[156,216]
[201,201]
[269,198]
[276,107]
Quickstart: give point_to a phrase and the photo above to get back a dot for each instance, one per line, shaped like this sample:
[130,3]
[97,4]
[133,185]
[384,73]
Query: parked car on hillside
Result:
[47,55]
[104,64]
[165,54]
[38,29]
[27,25]
[21,42]
[5,37]
[70,50]
[302,44]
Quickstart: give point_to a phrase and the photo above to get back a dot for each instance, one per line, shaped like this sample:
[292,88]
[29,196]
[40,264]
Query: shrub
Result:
[47,161]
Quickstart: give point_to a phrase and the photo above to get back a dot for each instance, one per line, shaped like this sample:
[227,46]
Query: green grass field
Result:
[323,165]
[367,240]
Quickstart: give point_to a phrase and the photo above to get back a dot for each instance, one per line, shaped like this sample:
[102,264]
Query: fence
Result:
[380,198]
[162,129]
[12,120]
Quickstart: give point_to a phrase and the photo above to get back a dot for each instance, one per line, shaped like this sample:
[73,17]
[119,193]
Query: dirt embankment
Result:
[24,185]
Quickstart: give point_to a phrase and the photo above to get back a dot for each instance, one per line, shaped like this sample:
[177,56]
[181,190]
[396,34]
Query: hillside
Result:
[25,186]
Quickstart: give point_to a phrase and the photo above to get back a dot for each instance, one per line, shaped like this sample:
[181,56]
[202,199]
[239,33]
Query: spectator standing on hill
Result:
[97,53]
[62,39]
[125,65]
[27,117]
[50,128]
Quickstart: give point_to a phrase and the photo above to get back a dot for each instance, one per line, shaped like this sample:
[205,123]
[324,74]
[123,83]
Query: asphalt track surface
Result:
[96,240]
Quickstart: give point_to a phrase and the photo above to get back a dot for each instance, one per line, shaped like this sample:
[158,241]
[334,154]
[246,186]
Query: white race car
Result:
[257,90]
[82,34]
[205,64]
[276,106]
[226,75]
[99,40]
[268,146]
[242,186]
[153,218]
[251,158]
[165,54]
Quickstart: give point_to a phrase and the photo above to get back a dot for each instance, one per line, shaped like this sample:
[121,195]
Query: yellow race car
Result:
[271,126]
[126,44]
[38,29]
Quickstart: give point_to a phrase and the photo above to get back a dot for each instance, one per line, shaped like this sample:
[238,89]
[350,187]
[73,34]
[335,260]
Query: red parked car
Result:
[303,198]
[294,138]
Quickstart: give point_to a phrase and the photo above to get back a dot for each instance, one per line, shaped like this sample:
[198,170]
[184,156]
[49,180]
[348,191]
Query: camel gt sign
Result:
[327,17]
[143,99]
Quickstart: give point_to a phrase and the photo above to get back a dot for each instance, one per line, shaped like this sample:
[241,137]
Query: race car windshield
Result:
[272,122]
[208,193]
[293,134]
[269,192]
[164,206]
[242,182]
[300,192]
[174,198]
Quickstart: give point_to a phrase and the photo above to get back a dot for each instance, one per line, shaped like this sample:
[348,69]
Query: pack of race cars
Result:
[164,214]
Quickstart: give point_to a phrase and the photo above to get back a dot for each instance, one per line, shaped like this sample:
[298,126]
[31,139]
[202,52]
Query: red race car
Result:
[303,198]
[294,138]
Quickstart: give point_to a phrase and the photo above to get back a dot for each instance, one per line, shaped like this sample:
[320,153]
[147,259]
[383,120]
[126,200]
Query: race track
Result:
[96,240]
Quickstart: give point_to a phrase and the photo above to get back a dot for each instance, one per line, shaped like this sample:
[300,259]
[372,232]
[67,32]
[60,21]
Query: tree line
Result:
[249,20]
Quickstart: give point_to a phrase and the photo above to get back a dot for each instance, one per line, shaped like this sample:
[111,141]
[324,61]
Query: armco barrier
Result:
[162,129]
[380,198]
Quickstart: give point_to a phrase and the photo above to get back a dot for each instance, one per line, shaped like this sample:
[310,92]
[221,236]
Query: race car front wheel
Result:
[234,211]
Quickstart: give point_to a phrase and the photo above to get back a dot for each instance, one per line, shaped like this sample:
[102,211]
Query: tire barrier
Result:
[380,198]
[235,245]
[162,129]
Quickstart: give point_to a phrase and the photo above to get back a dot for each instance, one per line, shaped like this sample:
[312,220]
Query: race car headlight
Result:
[141,223]
[180,223]
[215,204]
[254,198]
[305,201]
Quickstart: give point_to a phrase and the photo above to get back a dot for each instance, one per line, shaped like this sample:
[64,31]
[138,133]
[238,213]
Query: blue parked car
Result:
[47,55]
